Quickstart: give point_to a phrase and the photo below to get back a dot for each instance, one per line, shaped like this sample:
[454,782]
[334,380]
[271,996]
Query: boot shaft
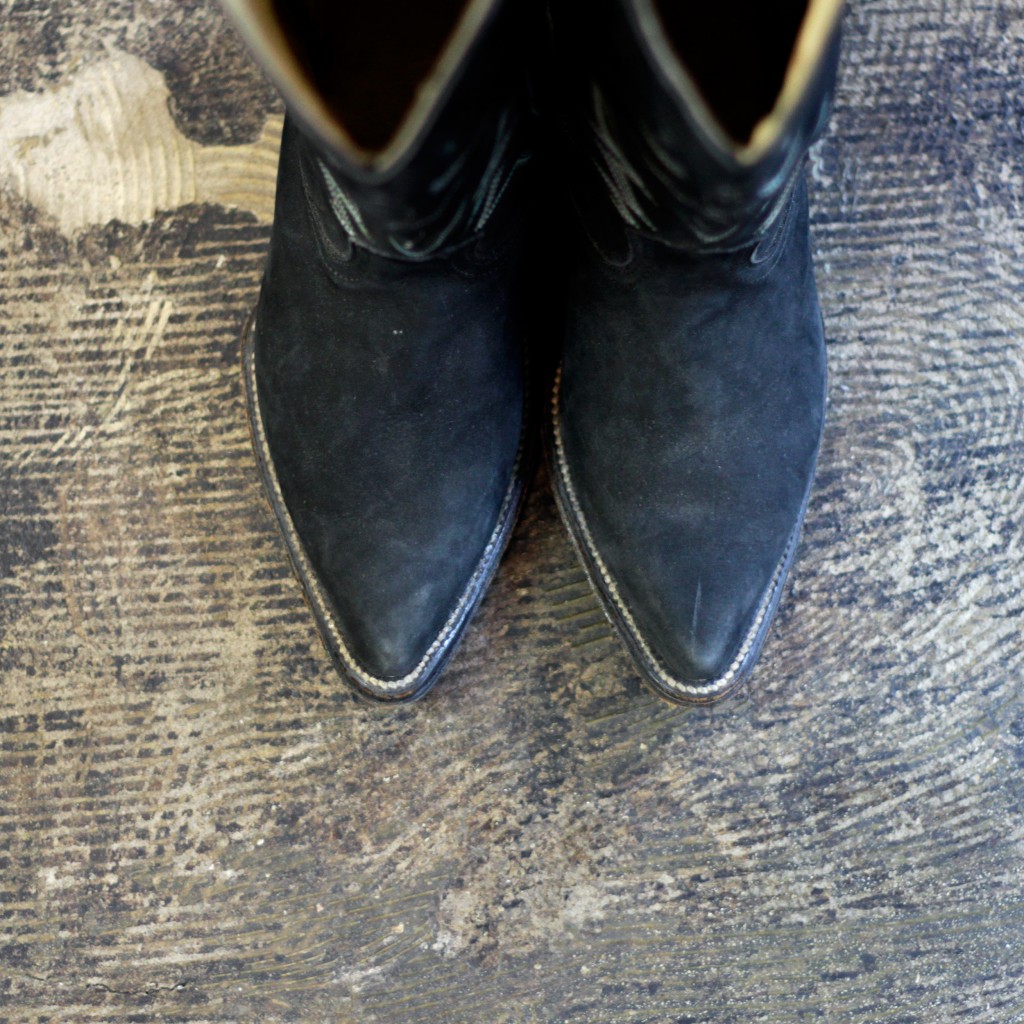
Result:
[690,127]
[416,112]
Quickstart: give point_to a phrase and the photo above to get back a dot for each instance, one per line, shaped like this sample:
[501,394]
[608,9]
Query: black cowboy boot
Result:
[689,406]
[384,361]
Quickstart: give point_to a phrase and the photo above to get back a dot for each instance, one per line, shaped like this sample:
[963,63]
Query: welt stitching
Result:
[315,588]
[713,686]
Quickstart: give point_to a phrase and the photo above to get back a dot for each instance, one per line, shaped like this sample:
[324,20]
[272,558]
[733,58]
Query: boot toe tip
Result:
[701,659]
[697,673]
[391,665]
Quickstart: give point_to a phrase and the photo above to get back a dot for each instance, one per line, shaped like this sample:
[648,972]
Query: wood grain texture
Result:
[198,823]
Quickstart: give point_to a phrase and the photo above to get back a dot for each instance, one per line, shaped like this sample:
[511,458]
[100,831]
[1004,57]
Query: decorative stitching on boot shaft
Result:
[457,212]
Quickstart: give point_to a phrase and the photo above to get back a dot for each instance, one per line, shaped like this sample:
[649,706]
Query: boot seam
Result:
[493,188]
[347,267]
[779,232]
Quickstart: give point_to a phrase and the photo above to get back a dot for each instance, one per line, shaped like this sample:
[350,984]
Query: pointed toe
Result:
[393,552]
[688,409]
[385,362]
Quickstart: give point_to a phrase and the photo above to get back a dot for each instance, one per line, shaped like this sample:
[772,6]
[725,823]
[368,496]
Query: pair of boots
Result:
[385,363]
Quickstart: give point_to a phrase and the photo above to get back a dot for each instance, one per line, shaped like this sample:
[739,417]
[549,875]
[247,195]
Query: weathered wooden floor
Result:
[198,824]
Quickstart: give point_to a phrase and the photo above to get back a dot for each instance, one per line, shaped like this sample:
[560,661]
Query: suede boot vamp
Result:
[688,417]
[390,396]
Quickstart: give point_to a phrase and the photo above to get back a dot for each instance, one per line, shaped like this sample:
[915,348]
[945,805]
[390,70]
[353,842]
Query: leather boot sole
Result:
[653,674]
[417,683]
